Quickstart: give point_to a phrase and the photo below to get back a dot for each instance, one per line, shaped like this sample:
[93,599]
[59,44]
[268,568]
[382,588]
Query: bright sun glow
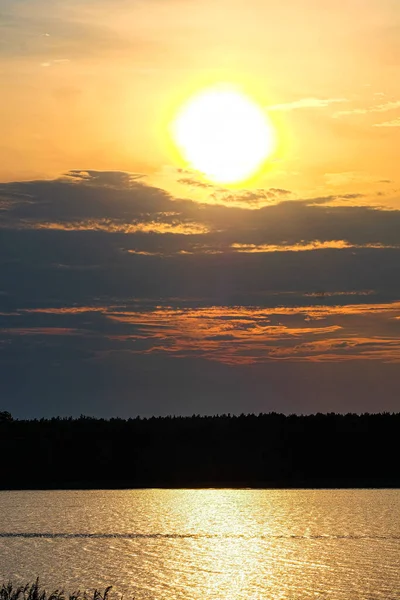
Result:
[224,135]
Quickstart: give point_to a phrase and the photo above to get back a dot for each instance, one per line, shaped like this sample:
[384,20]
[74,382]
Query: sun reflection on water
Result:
[206,544]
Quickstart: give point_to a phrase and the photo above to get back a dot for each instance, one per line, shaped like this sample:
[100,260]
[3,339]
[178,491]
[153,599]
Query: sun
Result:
[224,135]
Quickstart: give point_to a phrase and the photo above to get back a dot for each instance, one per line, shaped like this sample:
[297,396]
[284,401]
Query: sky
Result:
[132,284]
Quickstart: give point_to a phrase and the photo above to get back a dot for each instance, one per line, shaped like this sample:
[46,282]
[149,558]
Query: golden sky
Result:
[92,84]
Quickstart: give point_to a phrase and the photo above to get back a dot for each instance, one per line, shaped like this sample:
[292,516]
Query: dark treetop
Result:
[268,450]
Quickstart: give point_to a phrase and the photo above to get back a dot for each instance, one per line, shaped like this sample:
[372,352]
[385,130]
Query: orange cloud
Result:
[303,246]
[232,334]
[248,335]
[111,226]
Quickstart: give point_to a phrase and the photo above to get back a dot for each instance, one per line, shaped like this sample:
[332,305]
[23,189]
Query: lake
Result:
[206,544]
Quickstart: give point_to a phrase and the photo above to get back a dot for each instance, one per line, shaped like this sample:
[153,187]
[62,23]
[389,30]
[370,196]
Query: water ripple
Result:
[64,535]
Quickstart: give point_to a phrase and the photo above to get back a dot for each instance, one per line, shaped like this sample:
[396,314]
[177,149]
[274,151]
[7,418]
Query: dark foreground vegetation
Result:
[268,450]
[33,591]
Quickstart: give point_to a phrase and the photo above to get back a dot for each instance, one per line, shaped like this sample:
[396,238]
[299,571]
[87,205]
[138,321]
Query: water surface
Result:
[206,544]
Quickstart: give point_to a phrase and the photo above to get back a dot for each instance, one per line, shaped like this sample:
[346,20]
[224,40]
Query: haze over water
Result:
[206,544]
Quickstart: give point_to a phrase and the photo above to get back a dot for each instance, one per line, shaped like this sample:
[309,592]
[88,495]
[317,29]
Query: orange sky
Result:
[93,84]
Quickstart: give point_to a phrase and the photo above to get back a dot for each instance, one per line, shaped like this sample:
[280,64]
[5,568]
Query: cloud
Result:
[58,61]
[114,287]
[193,182]
[143,219]
[379,108]
[226,334]
[394,123]
[240,198]
[248,198]
[112,179]
[306,103]
[115,226]
[344,177]
[303,247]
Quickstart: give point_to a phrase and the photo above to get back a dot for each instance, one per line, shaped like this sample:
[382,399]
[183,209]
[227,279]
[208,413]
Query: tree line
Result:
[265,450]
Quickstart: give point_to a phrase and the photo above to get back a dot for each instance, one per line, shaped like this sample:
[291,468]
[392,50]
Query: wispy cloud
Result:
[394,123]
[240,198]
[345,177]
[226,334]
[378,108]
[114,226]
[58,61]
[304,246]
[307,103]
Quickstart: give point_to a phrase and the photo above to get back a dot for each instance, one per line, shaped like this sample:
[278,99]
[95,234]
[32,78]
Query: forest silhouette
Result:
[266,451]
